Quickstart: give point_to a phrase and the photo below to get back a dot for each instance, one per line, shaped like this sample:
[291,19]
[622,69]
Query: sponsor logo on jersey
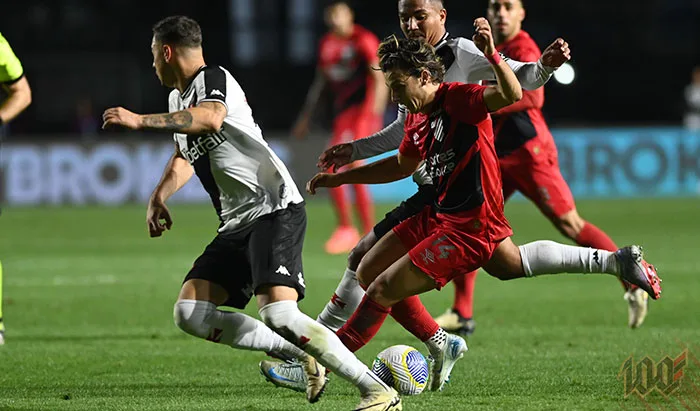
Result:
[201,146]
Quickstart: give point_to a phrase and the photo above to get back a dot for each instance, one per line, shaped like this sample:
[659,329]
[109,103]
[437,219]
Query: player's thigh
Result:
[221,274]
[274,251]
[360,250]
[380,257]
[403,279]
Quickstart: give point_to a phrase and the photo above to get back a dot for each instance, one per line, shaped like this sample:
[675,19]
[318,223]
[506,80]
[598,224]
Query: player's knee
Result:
[190,316]
[570,224]
[377,290]
[279,315]
[360,250]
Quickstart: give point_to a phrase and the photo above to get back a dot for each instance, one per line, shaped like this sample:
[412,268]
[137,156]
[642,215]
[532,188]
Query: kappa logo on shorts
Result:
[283,271]
[300,278]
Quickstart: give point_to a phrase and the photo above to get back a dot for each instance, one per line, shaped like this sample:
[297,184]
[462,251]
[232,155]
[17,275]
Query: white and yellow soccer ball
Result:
[402,367]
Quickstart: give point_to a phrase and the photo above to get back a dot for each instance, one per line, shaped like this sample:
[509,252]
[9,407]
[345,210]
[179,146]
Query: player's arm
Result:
[177,173]
[531,76]
[507,90]
[207,117]
[531,98]
[386,170]
[301,126]
[14,83]
[385,140]
[368,45]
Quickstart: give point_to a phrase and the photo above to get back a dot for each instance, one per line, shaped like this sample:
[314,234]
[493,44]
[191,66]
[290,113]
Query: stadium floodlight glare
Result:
[565,74]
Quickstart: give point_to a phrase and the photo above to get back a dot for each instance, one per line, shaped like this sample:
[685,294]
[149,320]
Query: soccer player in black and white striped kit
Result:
[257,250]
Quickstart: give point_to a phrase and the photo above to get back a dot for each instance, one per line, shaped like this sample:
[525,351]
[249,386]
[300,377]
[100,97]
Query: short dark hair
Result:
[410,56]
[178,31]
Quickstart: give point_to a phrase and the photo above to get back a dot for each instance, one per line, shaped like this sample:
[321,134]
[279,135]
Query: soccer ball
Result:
[403,368]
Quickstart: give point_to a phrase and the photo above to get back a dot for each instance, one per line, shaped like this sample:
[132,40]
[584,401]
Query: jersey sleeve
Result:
[408,148]
[368,44]
[10,67]
[212,87]
[466,102]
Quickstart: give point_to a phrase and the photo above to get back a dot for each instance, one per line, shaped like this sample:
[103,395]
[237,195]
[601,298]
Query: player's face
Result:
[339,18]
[163,71]
[506,17]
[406,90]
[422,19]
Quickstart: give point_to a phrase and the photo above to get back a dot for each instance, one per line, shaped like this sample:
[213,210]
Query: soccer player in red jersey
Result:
[529,164]
[346,57]
[450,129]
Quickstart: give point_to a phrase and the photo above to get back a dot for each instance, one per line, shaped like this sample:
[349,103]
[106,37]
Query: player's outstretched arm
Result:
[19,97]
[301,126]
[508,90]
[177,173]
[379,172]
[205,118]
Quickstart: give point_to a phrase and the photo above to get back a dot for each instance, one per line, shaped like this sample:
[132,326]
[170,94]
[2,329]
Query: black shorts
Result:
[408,208]
[267,252]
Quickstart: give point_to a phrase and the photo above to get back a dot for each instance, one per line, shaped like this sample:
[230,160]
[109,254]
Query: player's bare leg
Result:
[547,257]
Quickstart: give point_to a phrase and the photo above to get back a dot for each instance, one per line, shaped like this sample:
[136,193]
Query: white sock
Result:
[202,319]
[321,343]
[548,257]
[345,301]
[437,342]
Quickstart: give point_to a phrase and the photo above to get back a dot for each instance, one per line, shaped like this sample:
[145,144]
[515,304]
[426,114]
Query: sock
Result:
[365,208]
[2,324]
[437,342]
[363,324]
[413,316]
[594,237]
[340,203]
[321,343]
[237,330]
[548,257]
[343,303]
[464,294]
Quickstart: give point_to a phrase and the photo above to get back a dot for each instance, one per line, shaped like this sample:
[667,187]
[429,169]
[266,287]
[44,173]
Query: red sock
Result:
[363,324]
[413,316]
[594,237]
[464,294]
[363,202]
[340,203]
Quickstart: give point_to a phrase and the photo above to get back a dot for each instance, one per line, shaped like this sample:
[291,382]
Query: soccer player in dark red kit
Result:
[346,57]
[529,164]
[449,129]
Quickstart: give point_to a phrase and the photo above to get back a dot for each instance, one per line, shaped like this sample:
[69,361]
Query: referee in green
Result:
[16,98]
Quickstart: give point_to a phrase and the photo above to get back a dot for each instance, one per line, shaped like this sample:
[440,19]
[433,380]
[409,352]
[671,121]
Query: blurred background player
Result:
[692,101]
[346,57]
[17,99]
[529,164]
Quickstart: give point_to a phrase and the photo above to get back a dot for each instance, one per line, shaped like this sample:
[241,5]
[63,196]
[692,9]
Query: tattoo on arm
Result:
[172,121]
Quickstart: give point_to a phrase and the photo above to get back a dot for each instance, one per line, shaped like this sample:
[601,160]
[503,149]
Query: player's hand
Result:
[556,54]
[301,127]
[483,38]
[322,180]
[119,116]
[157,211]
[335,157]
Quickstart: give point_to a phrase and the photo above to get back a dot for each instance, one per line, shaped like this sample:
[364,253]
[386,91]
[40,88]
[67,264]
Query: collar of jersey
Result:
[189,86]
[442,41]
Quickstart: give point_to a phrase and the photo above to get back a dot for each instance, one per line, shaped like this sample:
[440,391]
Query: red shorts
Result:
[444,251]
[353,123]
[533,170]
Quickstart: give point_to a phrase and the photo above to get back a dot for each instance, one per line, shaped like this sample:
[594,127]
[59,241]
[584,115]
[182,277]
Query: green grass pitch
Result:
[88,311]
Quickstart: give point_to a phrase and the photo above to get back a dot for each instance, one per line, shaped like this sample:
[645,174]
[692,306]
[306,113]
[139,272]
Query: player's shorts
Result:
[267,252]
[408,208]
[353,123]
[444,251]
[533,170]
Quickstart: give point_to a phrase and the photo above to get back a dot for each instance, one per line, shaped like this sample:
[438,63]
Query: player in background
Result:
[449,129]
[530,165]
[419,19]
[257,250]
[346,57]
[19,96]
